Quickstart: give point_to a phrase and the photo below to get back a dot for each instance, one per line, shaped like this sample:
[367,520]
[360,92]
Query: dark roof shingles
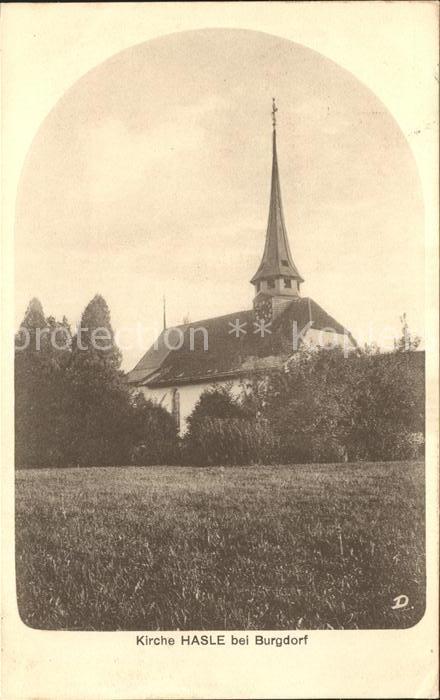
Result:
[227,355]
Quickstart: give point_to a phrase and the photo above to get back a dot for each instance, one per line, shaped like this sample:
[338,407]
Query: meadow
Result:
[322,546]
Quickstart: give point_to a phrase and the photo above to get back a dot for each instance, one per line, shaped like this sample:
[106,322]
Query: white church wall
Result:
[189,394]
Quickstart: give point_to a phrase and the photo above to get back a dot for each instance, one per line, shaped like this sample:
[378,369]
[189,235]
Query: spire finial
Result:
[274,113]
[164,313]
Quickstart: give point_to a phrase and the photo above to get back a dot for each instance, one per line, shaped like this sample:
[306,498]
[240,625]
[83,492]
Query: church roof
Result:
[277,259]
[150,362]
[229,353]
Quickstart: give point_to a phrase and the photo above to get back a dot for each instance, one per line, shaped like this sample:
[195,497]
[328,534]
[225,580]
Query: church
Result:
[186,360]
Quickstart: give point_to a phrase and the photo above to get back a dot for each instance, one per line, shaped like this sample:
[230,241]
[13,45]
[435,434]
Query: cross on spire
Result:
[274,113]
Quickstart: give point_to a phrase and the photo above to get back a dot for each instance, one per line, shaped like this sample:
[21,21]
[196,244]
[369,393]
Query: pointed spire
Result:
[274,114]
[277,259]
[164,313]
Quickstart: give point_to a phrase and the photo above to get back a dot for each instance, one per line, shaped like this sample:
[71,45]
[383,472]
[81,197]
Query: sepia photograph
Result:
[221,347]
[261,468]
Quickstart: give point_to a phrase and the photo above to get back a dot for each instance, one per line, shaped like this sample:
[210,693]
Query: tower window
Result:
[271,284]
[258,286]
[287,283]
[285,262]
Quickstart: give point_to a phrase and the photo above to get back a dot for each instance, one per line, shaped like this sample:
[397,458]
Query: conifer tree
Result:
[97,394]
[42,351]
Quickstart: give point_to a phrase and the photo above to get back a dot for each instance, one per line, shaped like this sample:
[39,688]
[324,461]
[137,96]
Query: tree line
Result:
[73,406]
[323,407]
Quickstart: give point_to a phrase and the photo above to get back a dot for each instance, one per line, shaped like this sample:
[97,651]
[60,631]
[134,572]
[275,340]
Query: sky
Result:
[151,177]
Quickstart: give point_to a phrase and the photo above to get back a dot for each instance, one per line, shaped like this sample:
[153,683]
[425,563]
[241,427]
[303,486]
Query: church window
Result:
[271,284]
[287,282]
[258,286]
[285,262]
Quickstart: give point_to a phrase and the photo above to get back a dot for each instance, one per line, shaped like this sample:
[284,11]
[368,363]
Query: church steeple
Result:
[277,274]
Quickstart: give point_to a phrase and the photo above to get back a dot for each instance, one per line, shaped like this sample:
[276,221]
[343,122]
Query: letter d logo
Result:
[401,601]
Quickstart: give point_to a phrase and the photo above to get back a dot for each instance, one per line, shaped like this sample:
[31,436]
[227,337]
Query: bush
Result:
[303,448]
[329,408]
[221,430]
[214,441]
[217,402]
[153,436]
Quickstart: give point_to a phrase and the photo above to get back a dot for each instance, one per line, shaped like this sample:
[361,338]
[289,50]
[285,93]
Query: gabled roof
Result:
[150,362]
[277,259]
[229,353]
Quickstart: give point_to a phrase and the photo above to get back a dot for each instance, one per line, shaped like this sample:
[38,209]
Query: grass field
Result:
[163,548]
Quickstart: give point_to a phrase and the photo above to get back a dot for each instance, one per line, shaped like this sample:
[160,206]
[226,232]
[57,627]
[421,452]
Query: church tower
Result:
[277,280]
